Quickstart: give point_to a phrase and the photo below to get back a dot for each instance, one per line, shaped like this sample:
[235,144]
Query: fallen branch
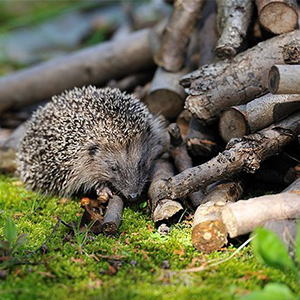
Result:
[233,21]
[245,215]
[257,114]
[209,232]
[113,215]
[245,154]
[94,65]
[277,16]
[216,87]
[284,79]
[172,53]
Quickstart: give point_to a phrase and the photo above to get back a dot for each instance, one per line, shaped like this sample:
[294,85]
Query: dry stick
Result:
[245,215]
[113,215]
[209,232]
[94,65]
[172,53]
[218,86]
[233,21]
[162,209]
[284,79]
[277,16]
[245,154]
[182,159]
[242,120]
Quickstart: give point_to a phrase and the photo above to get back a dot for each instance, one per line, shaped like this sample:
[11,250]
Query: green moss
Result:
[62,273]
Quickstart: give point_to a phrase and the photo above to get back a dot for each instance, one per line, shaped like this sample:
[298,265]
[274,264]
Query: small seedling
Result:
[12,242]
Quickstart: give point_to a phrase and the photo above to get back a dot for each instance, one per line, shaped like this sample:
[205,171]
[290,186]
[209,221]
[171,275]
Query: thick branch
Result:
[243,216]
[284,79]
[233,20]
[242,120]
[209,232]
[94,65]
[215,87]
[171,55]
[245,154]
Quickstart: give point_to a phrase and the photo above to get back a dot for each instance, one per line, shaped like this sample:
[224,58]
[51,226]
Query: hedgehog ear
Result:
[93,149]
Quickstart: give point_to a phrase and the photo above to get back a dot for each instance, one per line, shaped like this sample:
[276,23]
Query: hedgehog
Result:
[88,139]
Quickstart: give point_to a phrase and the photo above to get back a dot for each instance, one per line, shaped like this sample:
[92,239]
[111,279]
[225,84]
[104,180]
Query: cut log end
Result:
[167,103]
[209,236]
[233,124]
[278,17]
[225,52]
[166,209]
[110,228]
[274,78]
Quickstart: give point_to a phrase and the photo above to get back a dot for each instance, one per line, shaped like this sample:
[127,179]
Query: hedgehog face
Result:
[126,169]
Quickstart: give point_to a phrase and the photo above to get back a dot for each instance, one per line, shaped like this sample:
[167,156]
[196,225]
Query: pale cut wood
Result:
[277,16]
[245,215]
[216,87]
[257,114]
[284,79]
[233,21]
[209,233]
[244,154]
[93,65]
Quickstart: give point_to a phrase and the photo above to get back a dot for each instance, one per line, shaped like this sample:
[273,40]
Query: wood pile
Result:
[225,75]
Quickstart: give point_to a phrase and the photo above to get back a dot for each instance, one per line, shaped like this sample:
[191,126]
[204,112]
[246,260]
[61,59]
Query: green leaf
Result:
[273,291]
[10,230]
[297,246]
[268,249]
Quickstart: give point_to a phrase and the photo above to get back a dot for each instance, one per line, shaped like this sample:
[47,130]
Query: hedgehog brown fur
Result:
[87,138]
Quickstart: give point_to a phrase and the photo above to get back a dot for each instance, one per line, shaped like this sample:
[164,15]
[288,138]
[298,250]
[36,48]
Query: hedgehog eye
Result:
[93,149]
[114,168]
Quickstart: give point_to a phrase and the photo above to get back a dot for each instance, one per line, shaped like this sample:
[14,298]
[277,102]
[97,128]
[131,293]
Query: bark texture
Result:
[113,215]
[94,65]
[172,53]
[242,120]
[244,154]
[277,16]
[182,159]
[215,87]
[209,232]
[233,21]
[245,215]
[162,209]
[284,79]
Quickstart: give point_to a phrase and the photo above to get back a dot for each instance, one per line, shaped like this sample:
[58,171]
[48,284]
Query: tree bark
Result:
[245,154]
[233,21]
[162,209]
[245,215]
[113,215]
[277,16]
[94,65]
[242,120]
[209,232]
[215,87]
[182,159]
[172,53]
[284,79]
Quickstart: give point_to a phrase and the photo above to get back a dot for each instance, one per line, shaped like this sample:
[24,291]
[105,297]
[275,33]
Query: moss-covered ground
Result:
[136,264]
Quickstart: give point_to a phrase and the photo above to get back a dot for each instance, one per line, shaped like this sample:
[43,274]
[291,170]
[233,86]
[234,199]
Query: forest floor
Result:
[138,263]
